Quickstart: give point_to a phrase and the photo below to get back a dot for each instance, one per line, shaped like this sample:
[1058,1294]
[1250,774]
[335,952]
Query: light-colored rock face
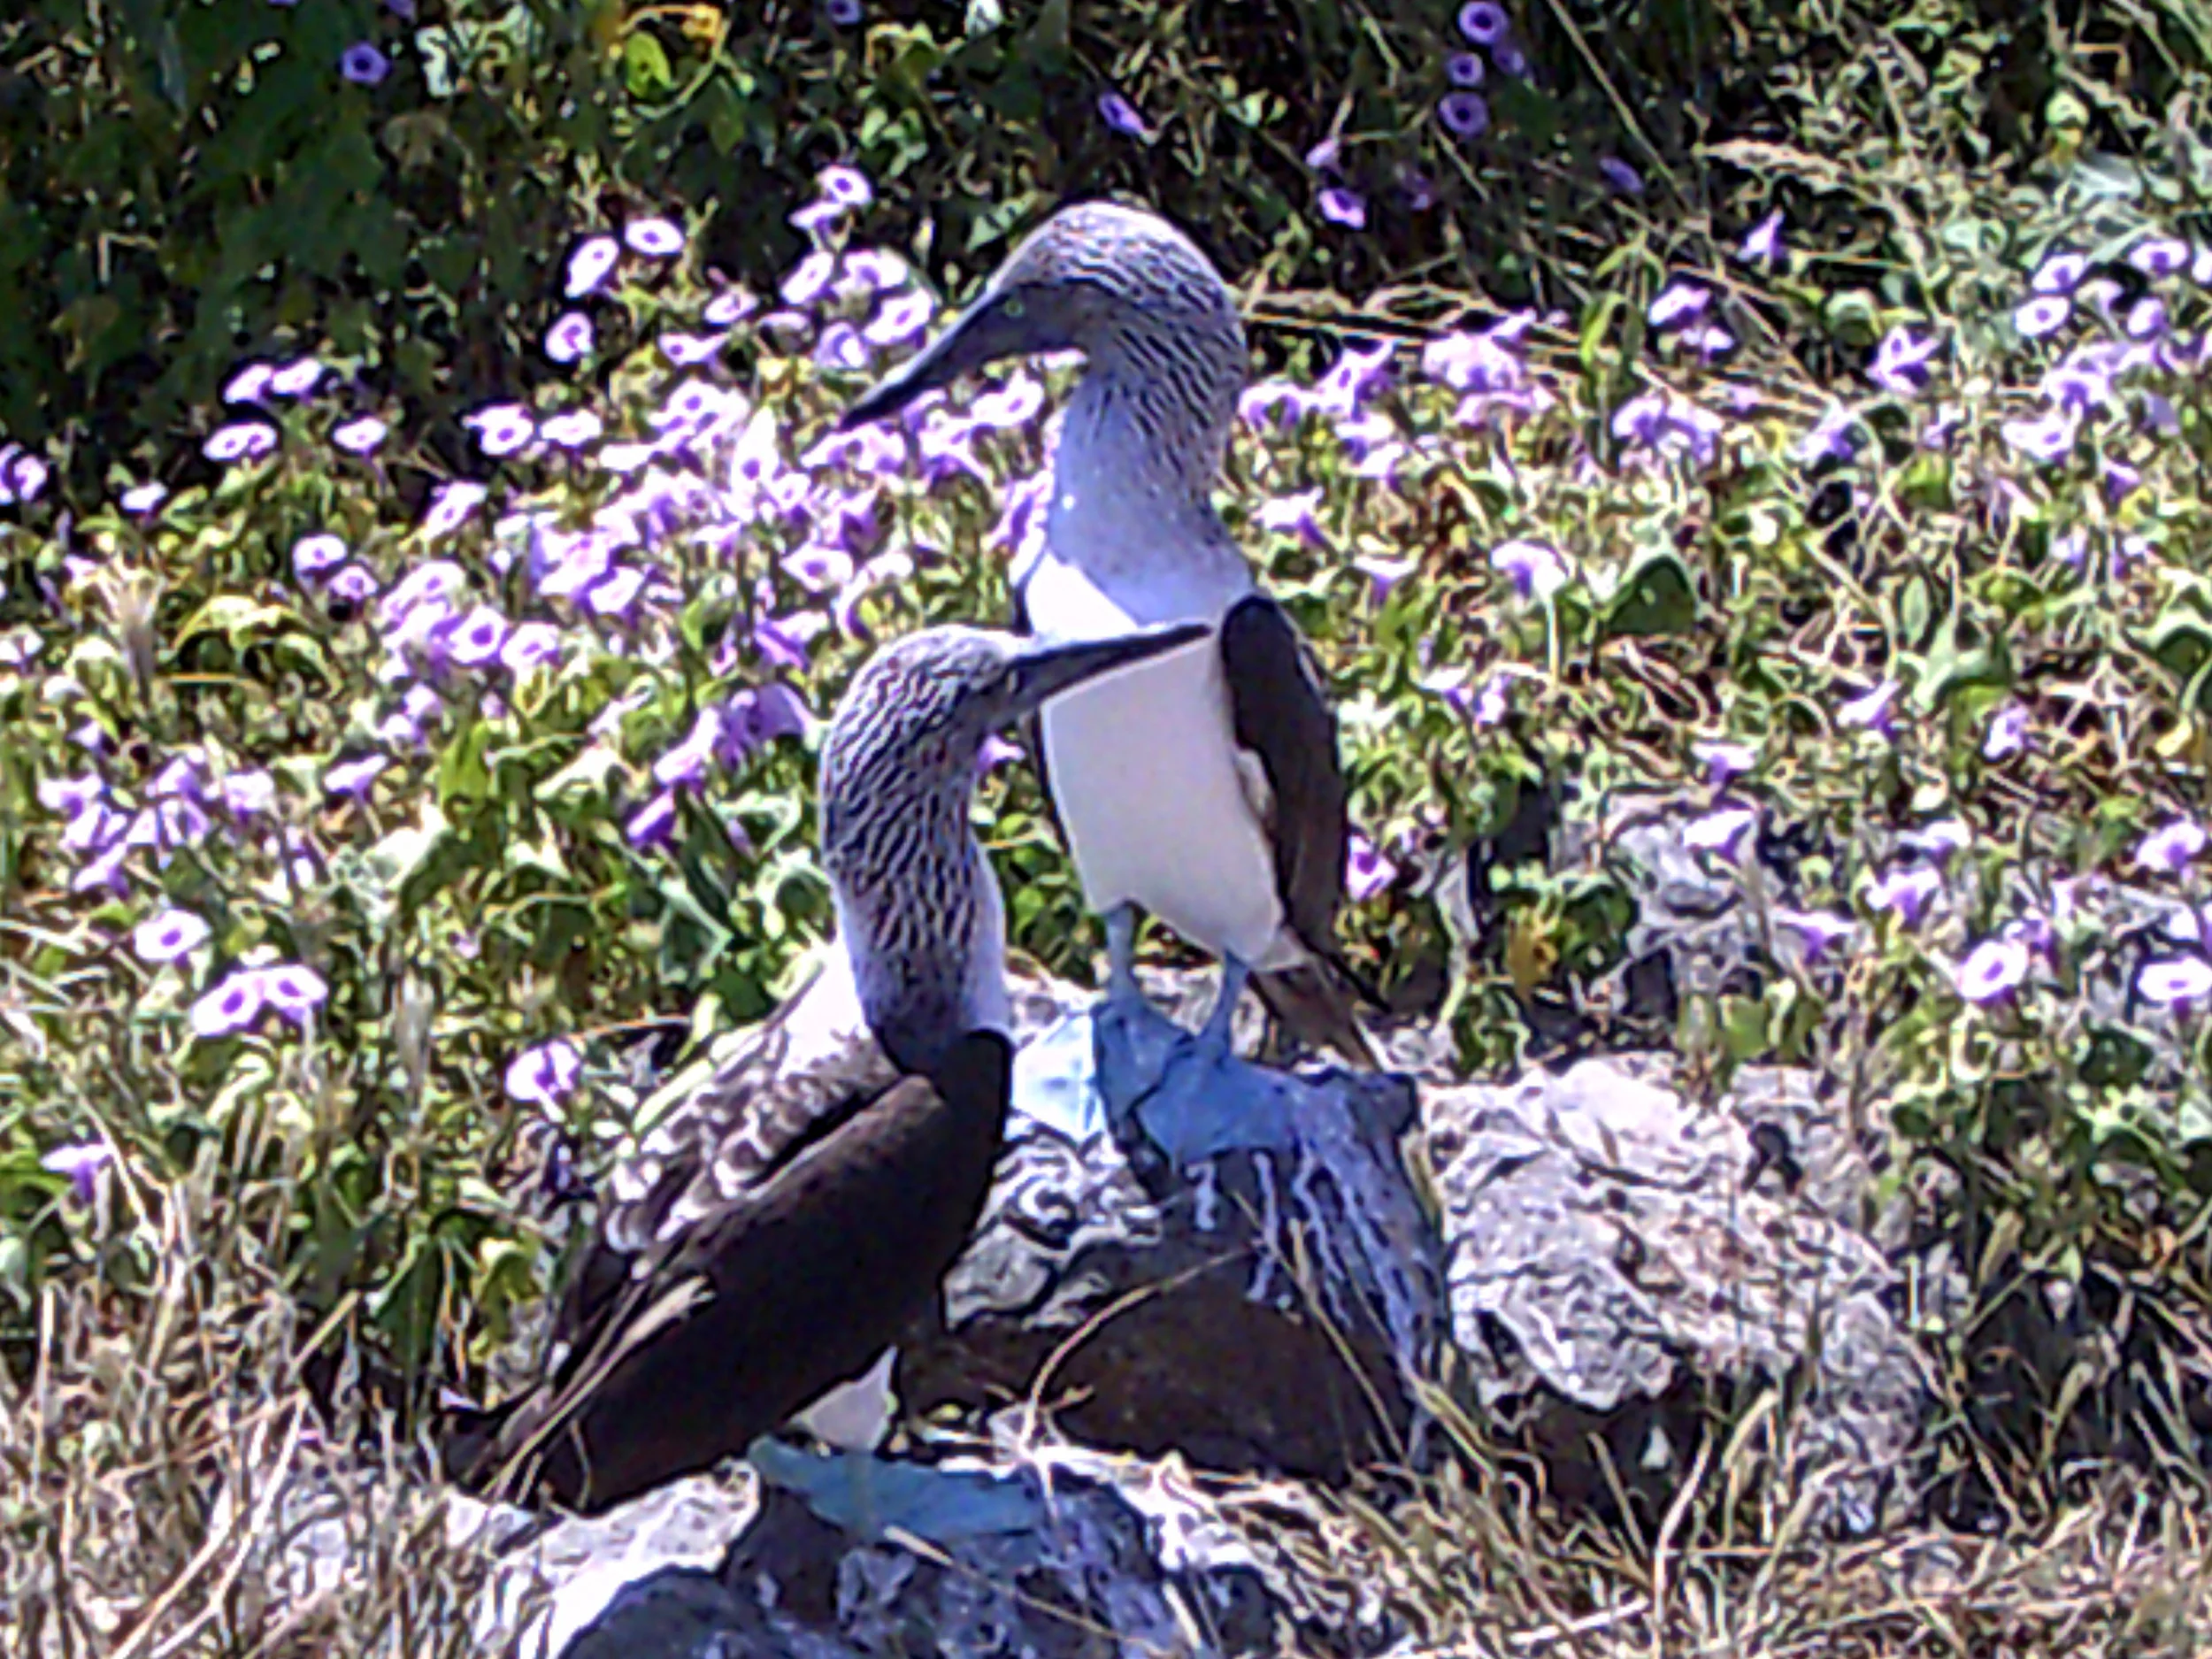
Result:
[1628,1244]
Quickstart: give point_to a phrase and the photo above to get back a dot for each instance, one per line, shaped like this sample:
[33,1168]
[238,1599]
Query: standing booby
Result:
[771,1236]
[1204,788]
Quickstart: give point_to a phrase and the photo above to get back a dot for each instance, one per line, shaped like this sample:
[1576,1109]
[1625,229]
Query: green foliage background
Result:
[186,182]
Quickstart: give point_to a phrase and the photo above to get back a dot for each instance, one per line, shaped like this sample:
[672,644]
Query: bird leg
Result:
[1132,1041]
[1207,1100]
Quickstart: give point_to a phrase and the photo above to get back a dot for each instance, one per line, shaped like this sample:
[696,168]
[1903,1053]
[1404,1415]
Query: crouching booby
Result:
[1204,788]
[772,1235]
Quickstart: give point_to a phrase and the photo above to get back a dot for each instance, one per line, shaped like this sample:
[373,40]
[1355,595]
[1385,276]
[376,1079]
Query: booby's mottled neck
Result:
[1131,510]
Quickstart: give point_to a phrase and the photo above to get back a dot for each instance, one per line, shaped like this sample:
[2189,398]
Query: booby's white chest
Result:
[1159,806]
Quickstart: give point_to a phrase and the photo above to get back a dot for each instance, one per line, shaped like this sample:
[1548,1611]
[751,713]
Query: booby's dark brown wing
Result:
[1282,716]
[772,1296]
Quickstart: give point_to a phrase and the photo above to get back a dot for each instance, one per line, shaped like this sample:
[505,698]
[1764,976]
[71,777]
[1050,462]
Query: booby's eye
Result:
[1011,306]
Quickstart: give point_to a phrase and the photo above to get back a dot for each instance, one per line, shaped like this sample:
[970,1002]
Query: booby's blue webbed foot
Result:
[868,1496]
[1207,1100]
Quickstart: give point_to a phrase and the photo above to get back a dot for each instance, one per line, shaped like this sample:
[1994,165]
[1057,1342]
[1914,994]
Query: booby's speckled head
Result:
[921,920]
[1119,284]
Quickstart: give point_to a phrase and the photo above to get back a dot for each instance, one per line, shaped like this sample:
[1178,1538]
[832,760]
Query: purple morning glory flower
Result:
[171,934]
[728,308]
[1013,404]
[297,377]
[1340,206]
[500,428]
[844,185]
[652,238]
[841,347]
[570,430]
[1464,69]
[293,991]
[2169,849]
[249,384]
[1294,515]
[141,499]
[1620,175]
[2007,732]
[2146,318]
[240,440]
[362,65]
[1420,193]
[809,279]
[1940,842]
[844,13]
[901,316]
[873,271]
[1366,872]
[1871,711]
[70,796]
[1993,970]
[231,1006]
[353,586]
[687,763]
[314,556]
[2158,256]
[477,638]
[1762,245]
[354,777]
[1905,894]
[761,714]
[2047,439]
[361,436]
[2174,984]
[245,794]
[1724,761]
[22,475]
[1483,22]
[594,260]
[80,1165]
[613,593]
[1900,362]
[655,823]
[2043,315]
[570,338]
[1677,303]
[1464,114]
[451,506]
[545,1075]
[530,646]
[1535,570]
[1118,113]
[2060,274]
[1832,438]
[1719,832]
[1819,931]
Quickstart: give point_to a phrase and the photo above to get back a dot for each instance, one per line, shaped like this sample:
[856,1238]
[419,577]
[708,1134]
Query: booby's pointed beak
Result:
[1043,671]
[989,329]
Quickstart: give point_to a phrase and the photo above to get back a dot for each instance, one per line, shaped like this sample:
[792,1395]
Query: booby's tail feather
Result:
[1311,1002]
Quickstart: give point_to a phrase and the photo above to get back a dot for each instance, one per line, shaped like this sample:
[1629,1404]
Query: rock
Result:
[1153,1313]
[1617,1252]
[554,1581]
[1117,1555]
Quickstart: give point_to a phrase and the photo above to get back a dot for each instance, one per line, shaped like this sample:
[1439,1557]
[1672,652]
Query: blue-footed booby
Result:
[773,1234]
[1204,788]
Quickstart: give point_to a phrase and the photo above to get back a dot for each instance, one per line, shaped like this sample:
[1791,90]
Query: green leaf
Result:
[235,616]
[1657,595]
[645,67]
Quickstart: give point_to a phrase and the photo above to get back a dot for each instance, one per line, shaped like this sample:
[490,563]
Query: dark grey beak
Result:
[1044,672]
[979,336]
